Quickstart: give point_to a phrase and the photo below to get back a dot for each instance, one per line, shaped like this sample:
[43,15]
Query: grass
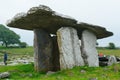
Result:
[18,51]
[115,52]
[30,51]
[26,72]
[14,53]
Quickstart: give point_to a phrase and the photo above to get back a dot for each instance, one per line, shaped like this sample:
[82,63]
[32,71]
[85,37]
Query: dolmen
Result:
[60,42]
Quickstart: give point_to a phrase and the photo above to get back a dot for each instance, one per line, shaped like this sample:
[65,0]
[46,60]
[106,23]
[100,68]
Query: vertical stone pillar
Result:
[89,51]
[69,47]
[43,51]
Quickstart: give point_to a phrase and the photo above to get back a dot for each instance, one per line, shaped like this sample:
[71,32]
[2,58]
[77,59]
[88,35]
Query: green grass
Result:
[19,51]
[26,72]
[30,51]
[115,52]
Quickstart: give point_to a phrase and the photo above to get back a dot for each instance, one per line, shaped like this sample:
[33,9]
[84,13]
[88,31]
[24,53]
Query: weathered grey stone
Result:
[93,78]
[50,73]
[69,47]
[43,51]
[112,60]
[4,75]
[99,31]
[89,52]
[83,71]
[42,17]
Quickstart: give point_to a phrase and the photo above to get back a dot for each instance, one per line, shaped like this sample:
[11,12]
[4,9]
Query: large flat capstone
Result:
[42,17]
[69,47]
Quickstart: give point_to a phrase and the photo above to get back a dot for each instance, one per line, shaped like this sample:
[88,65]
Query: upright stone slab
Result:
[112,60]
[69,47]
[43,51]
[89,52]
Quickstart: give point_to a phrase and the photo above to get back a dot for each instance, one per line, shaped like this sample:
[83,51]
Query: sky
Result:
[105,13]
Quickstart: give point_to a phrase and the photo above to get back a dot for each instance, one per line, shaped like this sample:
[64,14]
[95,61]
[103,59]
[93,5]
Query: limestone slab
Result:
[89,51]
[69,47]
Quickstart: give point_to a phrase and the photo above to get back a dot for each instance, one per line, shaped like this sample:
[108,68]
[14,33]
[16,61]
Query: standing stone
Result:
[43,51]
[89,52]
[69,47]
[112,60]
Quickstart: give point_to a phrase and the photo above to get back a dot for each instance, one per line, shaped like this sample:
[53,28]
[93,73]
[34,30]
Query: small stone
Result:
[58,78]
[4,75]
[116,68]
[93,79]
[83,71]
[105,69]
[50,72]
[30,75]
[23,75]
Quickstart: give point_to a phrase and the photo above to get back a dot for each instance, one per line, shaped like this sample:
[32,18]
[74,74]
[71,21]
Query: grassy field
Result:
[30,51]
[18,51]
[26,72]
[115,52]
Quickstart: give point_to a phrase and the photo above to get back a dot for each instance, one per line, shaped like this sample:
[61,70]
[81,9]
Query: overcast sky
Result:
[104,13]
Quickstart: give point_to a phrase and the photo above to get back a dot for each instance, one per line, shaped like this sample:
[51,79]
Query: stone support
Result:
[89,52]
[69,47]
[43,51]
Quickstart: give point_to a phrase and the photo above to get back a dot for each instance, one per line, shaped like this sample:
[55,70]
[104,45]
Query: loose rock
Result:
[50,72]
[93,79]
[4,75]
[112,60]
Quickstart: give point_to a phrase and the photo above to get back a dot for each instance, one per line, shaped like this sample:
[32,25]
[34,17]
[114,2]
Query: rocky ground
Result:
[26,59]
[18,60]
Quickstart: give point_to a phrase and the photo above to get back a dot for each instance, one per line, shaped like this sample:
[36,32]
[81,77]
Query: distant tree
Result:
[23,44]
[97,43]
[111,45]
[8,37]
